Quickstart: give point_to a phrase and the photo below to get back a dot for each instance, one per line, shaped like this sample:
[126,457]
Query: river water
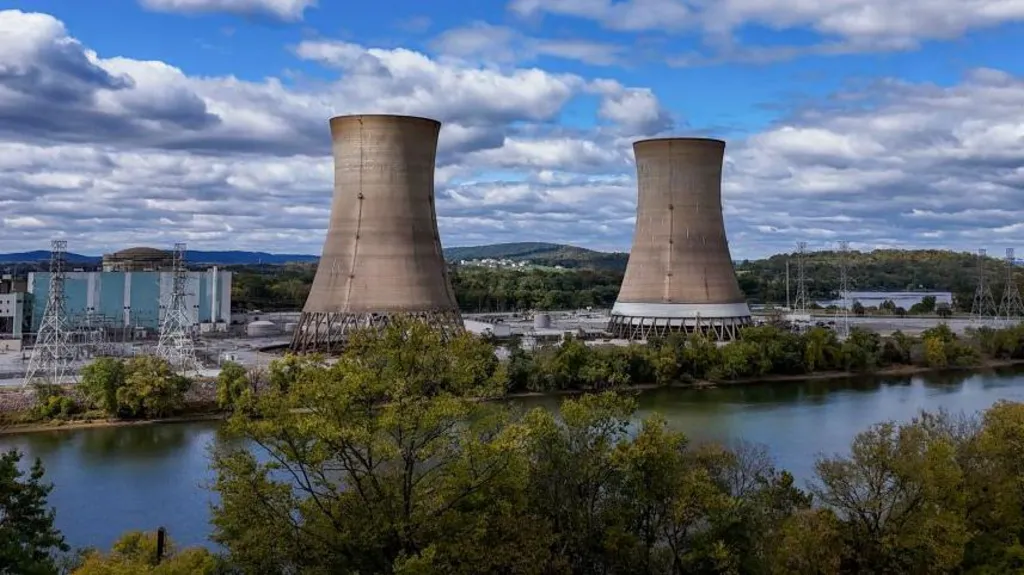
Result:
[110,480]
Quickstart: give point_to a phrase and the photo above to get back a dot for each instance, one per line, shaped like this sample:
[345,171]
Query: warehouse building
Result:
[134,299]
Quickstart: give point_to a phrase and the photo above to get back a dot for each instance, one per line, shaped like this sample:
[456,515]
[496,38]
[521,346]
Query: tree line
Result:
[147,387]
[761,352]
[386,461]
[480,289]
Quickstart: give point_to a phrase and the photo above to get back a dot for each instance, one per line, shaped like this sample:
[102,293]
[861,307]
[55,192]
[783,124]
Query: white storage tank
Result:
[261,328]
[290,327]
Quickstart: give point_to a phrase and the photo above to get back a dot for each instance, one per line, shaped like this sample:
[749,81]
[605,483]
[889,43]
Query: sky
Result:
[150,122]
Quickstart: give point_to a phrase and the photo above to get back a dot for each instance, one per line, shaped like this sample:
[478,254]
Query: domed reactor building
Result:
[382,256]
[680,275]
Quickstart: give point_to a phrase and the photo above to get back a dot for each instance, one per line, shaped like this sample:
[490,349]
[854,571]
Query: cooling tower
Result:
[382,256]
[680,275]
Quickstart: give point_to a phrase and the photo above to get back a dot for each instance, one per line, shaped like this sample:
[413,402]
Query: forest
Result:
[582,283]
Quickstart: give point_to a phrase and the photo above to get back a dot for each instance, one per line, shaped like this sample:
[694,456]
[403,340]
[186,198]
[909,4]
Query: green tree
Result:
[233,385]
[28,539]
[384,462]
[860,351]
[821,349]
[151,388]
[900,500]
[100,382]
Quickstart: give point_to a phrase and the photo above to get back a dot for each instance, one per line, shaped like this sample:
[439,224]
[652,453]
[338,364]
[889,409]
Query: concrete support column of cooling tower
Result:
[382,256]
[680,275]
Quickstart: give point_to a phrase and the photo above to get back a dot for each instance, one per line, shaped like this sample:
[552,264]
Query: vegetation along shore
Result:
[117,392]
[387,462]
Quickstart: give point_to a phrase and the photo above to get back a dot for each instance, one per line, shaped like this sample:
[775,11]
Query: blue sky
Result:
[156,121]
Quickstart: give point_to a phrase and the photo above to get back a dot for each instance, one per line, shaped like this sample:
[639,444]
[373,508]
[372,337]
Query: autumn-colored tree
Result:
[135,553]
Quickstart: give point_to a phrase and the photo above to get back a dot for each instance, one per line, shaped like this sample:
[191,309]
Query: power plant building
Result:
[680,274]
[134,299]
[382,255]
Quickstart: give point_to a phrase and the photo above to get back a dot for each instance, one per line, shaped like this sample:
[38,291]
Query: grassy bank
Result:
[891,371]
[27,422]
[18,423]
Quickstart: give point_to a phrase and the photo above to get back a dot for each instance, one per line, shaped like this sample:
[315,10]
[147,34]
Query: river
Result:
[110,480]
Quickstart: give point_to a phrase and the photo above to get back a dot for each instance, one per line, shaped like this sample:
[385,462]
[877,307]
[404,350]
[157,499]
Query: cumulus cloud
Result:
[286,10]
[847,25]
[114,151]
[218,160]
[922,157]
[484,41]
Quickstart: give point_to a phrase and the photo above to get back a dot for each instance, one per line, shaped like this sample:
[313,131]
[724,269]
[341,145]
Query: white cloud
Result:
[162,156]
[404,81]
[287,10]
[482,41]
[846,25]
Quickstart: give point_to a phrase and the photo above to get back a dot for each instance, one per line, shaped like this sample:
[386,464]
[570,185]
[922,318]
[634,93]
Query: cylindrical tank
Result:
[261,328]
[382,255]
[680,274]
[542,321]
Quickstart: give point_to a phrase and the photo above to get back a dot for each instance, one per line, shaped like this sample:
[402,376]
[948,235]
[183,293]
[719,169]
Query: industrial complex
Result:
[382,257]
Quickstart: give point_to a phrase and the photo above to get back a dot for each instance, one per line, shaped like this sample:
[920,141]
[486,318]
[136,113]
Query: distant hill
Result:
[44,255]
[541,254]
[193,257]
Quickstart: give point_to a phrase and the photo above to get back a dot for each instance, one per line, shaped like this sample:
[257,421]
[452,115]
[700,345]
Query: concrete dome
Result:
[140,252]
[138,259]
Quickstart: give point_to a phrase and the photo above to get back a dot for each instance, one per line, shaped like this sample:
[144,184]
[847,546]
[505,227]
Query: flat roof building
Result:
[134,299]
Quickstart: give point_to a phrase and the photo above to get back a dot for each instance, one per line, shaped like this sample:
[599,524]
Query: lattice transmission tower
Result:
[984,305]
[800,304]
[176,343]
[1011,308]
[843,309]
[53,352]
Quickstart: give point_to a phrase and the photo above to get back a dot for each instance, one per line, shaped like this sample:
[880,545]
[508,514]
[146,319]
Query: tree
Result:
[233,385]
[151,388]
[28,538]
[900,500]
[858,308]
[134,553]
[100,381]
[384,462]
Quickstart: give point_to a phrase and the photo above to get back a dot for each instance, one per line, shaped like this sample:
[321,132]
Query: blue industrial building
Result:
[134,299]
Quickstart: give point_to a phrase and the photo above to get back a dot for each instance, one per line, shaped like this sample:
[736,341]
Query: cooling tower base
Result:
[640,321]
[325,332]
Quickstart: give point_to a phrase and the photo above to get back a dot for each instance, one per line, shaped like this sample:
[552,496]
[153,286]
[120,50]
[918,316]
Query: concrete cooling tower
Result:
[382,256]
[680,275]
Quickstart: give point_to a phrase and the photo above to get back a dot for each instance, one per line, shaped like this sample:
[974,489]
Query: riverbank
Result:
[892,371]
[72,424]
[206,414]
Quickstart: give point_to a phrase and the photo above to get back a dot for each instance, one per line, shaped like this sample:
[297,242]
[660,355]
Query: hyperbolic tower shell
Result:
[680,275]
[382,256]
